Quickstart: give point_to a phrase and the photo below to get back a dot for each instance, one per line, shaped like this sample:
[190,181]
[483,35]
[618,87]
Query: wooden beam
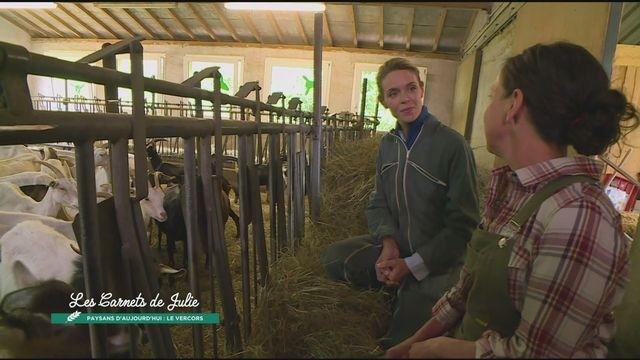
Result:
[247,20]
[184,27]
[64,23]
[355,25]
[78,20]
[202,22]
[117,21]
[326,26]
[94,18]
[411,18]
[461,5]
[163,26]
[468,30]
[45,22]
[401,53]
[272,19]
[32,24]
[32,28]
[436,39]
[381,28]
[139,22]
[227,24]
[301,28]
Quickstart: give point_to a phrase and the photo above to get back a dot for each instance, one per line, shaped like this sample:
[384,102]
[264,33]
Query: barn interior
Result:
[288,97]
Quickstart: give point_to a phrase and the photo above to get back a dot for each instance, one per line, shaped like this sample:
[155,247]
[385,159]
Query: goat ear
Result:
[24,277]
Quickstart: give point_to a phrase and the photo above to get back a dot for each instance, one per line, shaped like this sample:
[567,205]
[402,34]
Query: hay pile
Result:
[305,315]
[629,222]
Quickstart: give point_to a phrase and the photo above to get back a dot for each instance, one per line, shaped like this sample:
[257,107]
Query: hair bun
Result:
[587,135]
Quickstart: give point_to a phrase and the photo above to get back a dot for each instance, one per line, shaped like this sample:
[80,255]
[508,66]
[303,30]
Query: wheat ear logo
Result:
[73,316]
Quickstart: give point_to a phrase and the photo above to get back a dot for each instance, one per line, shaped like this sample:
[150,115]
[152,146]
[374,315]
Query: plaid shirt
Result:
[568,268]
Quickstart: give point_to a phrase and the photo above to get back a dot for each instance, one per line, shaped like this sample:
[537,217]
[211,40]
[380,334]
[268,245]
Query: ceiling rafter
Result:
[436,39]
[64,23]
[381,28]
[117,21]
[95,18]
[183,25]
[162,25]
[468,30]
[140,23]
[202,22]
[45,22]
[410,29]
[460,5]
[355,25]
[326,26]
[275,26]
[31,26]
[301,28]
[227,24]
[78,20]
[252,28]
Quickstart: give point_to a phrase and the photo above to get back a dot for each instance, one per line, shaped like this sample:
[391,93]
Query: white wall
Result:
[12,34]
[440,81]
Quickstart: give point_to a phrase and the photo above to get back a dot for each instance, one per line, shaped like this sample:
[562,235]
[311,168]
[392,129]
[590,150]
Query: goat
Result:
[61,192]
[21,163]
[39,269]
[11,151]
[175,229]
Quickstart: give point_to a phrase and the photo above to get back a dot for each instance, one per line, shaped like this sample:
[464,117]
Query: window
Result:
[230,69]
[152,67]
[369,71]
[294,78]
[56,87]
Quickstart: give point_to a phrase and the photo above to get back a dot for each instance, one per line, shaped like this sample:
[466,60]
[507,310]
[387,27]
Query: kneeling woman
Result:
[549,261]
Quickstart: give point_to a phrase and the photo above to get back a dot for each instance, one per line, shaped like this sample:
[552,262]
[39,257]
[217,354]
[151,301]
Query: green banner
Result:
[135,318]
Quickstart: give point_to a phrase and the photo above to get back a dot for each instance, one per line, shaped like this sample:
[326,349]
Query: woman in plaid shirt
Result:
[549,261]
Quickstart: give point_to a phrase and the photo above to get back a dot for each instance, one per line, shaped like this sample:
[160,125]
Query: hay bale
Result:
[303,314]
[629,222]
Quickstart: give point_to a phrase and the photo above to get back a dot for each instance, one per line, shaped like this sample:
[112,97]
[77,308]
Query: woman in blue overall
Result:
[422,211]
[549,261]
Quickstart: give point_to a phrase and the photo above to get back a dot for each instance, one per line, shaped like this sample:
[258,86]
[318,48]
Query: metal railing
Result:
[23,122]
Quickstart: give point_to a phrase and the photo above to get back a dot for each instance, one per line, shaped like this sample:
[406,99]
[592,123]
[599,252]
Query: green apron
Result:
[489,305]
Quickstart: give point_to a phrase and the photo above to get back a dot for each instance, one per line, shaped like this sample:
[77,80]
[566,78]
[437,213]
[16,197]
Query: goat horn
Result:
[55,170]
[101,145]
[75,248]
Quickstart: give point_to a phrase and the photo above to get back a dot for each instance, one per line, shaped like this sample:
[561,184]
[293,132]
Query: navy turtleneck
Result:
[414,127]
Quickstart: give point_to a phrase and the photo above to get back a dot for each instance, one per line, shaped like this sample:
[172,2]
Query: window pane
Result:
[294,82]
[150,69]
[227,70]
[387,121]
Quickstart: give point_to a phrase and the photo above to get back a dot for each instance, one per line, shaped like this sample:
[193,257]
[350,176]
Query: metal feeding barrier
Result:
[105,120]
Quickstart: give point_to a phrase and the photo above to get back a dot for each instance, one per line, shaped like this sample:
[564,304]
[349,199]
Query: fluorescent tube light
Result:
[136,5]
[28,5]
[276,6]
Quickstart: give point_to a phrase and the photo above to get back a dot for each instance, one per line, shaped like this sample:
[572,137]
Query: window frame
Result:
[270,62]
[237,61]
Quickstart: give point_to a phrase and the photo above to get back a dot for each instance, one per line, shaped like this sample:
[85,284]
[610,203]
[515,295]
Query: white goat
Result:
[32,253]
[61,192]
[9,219]
[19,163]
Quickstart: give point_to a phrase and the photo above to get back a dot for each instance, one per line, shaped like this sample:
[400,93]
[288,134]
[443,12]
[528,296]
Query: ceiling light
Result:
[276,6]
[28,5]
[136,5]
